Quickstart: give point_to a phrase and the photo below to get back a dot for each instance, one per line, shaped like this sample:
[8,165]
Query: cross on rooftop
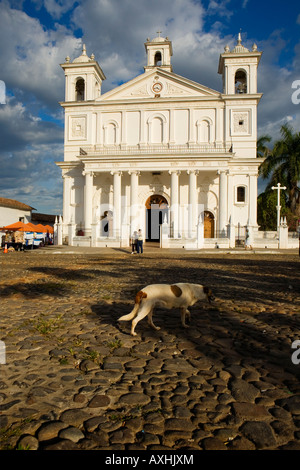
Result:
[159,33]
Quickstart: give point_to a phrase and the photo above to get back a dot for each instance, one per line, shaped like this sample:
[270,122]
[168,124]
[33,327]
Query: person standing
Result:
[140,242]
[134,240]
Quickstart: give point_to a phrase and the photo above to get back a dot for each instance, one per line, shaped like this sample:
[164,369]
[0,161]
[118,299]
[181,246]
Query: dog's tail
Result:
[138,299]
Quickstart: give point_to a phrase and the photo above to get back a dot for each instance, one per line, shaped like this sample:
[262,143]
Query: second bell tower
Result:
[239,69]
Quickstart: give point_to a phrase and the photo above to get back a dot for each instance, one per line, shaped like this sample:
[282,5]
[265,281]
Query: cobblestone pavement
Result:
[74,378]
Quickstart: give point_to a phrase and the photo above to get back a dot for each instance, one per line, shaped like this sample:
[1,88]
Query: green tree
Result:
[282,165]
[262,149]
[266,209]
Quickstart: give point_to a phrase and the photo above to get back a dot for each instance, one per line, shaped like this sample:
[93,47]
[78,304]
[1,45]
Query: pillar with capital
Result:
[174,209]
[252,200]
[67,180]
[193,199]
[222,203]
[134,203]
[117,204]
[88,201]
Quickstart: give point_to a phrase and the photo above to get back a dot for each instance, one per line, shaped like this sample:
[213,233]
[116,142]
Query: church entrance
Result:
[156,210]
[209,225]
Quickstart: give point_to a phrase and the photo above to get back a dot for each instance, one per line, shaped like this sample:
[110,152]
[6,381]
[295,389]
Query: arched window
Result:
[157,59]
[79,89]
[240,82]
[111,136]
[157,132]
[204,131]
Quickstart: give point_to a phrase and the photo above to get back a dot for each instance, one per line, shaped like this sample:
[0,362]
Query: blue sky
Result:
[37,35]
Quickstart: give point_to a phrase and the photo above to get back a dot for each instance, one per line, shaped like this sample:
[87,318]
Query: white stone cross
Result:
[278,207]
[159,33]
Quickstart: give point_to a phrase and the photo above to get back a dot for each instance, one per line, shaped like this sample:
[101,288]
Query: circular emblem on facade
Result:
[157,87]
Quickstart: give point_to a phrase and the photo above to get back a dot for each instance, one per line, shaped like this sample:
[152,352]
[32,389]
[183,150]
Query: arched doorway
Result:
[156,210]
[209,225]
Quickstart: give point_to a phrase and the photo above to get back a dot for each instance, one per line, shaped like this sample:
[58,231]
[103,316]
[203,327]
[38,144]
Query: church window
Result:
[203,131]
[240,82]
[111,133]
[80,89]
[241,194]
[157,59]
[157,131]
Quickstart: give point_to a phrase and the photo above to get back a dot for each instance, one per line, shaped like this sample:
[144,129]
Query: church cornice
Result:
[242,97]
[146,101]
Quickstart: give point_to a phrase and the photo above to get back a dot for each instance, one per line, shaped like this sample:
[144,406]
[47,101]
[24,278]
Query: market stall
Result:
[20,236]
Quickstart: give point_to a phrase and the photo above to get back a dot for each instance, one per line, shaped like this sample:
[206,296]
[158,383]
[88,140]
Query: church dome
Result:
[239,47]
[159,38]
[83,57]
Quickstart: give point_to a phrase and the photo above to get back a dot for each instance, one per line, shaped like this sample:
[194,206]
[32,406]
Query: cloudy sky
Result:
[36,36]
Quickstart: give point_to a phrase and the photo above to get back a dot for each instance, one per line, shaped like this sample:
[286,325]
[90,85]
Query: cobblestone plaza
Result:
[74,378]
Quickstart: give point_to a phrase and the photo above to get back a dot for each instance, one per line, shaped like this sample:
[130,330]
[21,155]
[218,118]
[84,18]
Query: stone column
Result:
[66,198]
[192,220]
[117,204]
[134,189]
[222,203]
[174,210]
[88,201]
[59,231]
[71,232]
[252,200]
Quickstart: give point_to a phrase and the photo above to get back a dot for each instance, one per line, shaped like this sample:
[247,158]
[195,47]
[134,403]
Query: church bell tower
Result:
[159,52]
[239,69]
[84,78]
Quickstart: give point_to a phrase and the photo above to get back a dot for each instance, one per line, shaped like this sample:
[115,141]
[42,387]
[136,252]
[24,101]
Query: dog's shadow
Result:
[168,321]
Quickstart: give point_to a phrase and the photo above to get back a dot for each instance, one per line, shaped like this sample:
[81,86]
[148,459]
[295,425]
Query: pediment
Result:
[158,83]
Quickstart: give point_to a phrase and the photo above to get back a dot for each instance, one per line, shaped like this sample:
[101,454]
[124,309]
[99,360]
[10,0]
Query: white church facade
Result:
[160,153]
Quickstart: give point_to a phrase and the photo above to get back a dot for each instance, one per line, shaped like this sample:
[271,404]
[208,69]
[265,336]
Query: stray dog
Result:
[181,295]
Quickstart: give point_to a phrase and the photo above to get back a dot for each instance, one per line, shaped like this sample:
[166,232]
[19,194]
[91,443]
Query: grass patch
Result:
[47,326]
[115,344]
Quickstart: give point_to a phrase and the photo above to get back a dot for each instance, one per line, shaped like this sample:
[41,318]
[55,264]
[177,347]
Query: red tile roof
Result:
[4,202]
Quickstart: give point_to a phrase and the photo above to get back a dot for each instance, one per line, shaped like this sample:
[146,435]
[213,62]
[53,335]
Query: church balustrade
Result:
[97,150]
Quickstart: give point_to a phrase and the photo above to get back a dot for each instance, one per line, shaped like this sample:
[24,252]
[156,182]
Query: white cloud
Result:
[31,55]
[19,128]
[220,8]
[117,40]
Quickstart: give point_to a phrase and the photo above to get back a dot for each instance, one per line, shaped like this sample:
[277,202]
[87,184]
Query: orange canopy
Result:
[49,228]
[29,227]
[40,228]
[20,226]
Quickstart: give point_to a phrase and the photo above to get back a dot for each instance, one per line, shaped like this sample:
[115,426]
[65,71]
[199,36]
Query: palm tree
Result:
[262,150]
[283,165]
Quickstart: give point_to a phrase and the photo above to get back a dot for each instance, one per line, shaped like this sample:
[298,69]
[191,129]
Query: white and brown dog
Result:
[181,295]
